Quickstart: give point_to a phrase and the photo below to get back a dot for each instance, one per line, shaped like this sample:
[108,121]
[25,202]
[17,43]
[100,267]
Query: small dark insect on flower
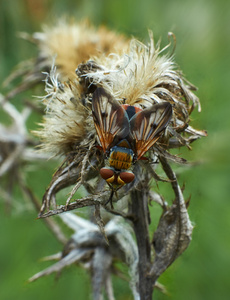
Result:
[126,133]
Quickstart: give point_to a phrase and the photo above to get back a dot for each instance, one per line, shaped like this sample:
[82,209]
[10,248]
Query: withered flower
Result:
[138,75]
[88,247]
[82,61]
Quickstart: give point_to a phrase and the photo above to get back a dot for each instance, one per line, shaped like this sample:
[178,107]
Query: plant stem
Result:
[139,209]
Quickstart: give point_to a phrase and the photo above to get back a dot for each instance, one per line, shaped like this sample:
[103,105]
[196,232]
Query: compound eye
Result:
[127,177]
[106,173]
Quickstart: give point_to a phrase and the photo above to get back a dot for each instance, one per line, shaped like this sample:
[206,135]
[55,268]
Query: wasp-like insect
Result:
[126,133]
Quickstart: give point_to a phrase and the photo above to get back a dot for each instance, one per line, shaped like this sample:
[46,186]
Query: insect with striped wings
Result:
[126,133]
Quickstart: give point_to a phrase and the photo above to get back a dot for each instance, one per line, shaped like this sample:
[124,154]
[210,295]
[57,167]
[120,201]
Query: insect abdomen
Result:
[121,158]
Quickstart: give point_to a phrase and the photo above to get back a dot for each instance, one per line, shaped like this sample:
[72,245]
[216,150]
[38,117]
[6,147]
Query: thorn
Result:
[183,187]
[187,202]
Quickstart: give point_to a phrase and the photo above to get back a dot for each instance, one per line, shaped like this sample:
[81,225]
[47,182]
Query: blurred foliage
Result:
[202,28]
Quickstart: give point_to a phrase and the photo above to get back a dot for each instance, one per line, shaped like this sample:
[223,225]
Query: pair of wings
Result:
[113,124]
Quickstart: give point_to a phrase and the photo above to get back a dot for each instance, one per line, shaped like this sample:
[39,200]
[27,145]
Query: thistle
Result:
[94,79]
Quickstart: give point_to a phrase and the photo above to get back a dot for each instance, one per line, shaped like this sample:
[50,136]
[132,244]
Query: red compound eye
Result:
[127,177]
[106,173]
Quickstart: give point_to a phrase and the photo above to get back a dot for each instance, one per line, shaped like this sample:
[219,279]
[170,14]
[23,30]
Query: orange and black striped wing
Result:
[147,125]
[110,119]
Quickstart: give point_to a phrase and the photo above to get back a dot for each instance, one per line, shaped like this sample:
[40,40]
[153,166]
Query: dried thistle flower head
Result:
[88,247]
[136,74]
[66,124]
[130,72]
[73,44]
[124,96]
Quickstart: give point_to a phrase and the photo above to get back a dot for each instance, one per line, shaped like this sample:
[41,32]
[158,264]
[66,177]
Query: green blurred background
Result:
[202,28]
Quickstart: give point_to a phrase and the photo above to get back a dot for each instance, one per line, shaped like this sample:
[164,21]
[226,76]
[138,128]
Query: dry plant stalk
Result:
[75,60]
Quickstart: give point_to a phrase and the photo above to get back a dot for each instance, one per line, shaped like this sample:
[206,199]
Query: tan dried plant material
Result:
[74,60]
[136,74]
[73,44]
